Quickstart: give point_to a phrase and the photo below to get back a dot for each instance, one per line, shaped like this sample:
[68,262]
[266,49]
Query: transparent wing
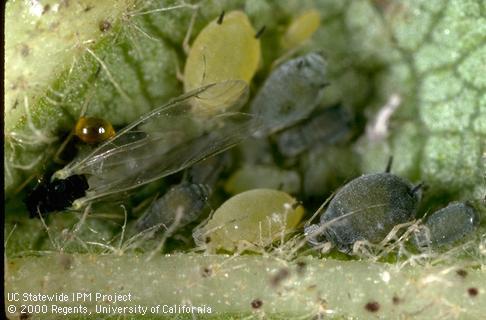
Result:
[164,141]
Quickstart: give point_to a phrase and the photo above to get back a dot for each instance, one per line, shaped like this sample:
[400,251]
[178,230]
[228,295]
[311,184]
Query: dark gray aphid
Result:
[290,93]
[186,199]
[448,225]
[329,126]
[366,208]
[208,171]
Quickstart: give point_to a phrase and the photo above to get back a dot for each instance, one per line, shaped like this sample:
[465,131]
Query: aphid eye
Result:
[93,130]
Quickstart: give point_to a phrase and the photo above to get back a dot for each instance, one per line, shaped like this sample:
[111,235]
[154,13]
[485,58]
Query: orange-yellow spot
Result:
[93,130]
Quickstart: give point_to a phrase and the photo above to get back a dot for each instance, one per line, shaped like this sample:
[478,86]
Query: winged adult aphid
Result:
[161,142]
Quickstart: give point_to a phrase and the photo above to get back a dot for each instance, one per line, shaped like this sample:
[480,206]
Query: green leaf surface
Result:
[120,60]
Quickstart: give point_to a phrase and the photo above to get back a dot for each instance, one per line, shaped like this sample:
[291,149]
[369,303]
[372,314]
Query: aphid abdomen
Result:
[290,93]
[330,126]
[367,208]
[226,49]
[182,204]
[448,225]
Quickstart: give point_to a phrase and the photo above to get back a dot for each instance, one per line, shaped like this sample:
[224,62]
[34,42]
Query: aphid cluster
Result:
[287,116]
[369,207]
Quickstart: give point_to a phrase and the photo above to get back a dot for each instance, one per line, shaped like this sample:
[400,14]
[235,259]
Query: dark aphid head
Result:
[49,196]
[93,130]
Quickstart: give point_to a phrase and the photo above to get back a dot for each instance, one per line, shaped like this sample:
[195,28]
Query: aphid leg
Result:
[23,184]
[122,236]
[179,73]
[185,43]
[170,230]
[53,243]
[389,164]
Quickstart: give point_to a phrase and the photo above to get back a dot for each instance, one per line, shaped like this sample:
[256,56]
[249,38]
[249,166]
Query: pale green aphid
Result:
[262,176]
[226,49]
[252,219]
[301,29]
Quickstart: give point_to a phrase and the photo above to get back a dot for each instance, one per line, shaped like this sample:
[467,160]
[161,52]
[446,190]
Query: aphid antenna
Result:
[170,230]
[182,5]
[260,32]
[319,210]
[185,43]
[220,18]
[110,76]
[389,164]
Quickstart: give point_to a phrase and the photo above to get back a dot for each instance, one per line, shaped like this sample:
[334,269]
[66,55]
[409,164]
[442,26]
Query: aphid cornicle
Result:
[366,208]
[447,225]
[161,142]
[290,93]
[93,130]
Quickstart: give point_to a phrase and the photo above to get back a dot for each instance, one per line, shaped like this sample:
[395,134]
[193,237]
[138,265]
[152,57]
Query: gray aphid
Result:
[448,225]
[366,208]
[189,197]
[290,93]
[329,126]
